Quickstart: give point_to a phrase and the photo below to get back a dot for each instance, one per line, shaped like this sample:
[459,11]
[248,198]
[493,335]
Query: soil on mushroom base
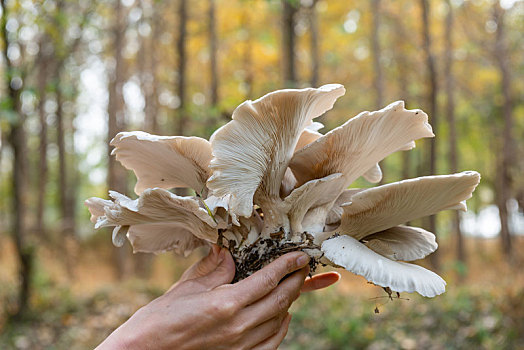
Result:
[251,258]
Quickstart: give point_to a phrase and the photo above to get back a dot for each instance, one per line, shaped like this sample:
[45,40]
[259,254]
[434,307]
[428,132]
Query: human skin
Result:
[204,311]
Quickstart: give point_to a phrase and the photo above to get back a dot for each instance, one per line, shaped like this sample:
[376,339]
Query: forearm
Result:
[116,341]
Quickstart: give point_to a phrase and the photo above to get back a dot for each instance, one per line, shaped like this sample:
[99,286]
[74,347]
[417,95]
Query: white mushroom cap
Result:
[213,203]
[119,235]
[386,206]
[356,146]
[403,243]
[252,151]
[354,256]
[158,221]
[161,237]
[310,195]
[164,161]
[374,174]
[306,138]
[288,183]
[336,211]
[96,207]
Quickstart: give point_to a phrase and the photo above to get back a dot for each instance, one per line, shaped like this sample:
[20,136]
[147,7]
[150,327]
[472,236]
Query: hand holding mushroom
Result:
[203,311]
[268,183]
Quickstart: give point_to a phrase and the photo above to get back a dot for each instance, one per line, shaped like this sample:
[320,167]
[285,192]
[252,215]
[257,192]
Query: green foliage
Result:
[466,318]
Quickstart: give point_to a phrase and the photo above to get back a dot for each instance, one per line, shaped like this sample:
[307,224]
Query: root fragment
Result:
[249,259]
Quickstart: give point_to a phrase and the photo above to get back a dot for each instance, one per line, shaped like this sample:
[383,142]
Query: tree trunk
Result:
[181,48]
[213,66]
[42,164]
[62,162]
[151,88]
[288,43]
[450,112]
[504,180]
[146,72]
[24,250]
[116,175]
[67,191]
[4,200]
[430,168]
[141,63]
[181,128]
[17,141]
[67,197]
[402,63]
[378,80]
[247,58]
[314,45]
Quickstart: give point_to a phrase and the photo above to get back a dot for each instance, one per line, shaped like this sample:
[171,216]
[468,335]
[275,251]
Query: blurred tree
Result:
[213,44]
[402,65]
[147,75]
[63,50]
[378,80]
[506,157]
[314,44]
[450,112]
[116,174]
[150,82]
[431,103]
[43,61]
[247,57]
[289,11]
[14,79]
[182,121]
[182,117]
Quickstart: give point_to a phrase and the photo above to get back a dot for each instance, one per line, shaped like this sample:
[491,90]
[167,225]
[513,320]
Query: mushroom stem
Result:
[275,219]
[322,236]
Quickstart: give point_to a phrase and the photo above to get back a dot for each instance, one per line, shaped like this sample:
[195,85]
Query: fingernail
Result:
[302,260]
[215,249]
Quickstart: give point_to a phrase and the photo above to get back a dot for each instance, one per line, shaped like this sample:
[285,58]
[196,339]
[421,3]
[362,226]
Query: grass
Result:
[467,318]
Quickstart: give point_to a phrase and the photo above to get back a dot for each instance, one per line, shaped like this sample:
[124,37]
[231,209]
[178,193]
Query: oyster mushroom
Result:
[164,161]
[369,242]
[268,182]
[155,222]
[252,152]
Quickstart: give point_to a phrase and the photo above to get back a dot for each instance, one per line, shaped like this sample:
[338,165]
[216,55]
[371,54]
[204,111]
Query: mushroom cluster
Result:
[268,182]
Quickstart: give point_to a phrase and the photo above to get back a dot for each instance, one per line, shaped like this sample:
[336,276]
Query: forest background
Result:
[74,73]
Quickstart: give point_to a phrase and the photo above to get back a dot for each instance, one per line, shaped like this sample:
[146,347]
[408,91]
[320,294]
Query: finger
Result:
[208,264]
[276,302]
[274,341]
[204,266]
[262,332]
[264,281]
[322,280]
[222,274]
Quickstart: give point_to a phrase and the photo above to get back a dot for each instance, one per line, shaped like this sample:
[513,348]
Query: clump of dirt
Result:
[251,258]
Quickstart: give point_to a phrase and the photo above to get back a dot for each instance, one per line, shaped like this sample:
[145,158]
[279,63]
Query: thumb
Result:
[203,267]
[222,274]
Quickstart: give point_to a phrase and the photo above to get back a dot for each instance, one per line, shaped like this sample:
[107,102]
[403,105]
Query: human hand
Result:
[203,311]
[208,264]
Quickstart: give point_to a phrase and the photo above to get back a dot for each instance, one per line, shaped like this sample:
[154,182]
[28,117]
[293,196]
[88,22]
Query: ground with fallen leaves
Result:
[482,308]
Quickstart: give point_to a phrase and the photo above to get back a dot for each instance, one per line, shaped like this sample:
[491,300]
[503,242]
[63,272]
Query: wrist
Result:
[121,339]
